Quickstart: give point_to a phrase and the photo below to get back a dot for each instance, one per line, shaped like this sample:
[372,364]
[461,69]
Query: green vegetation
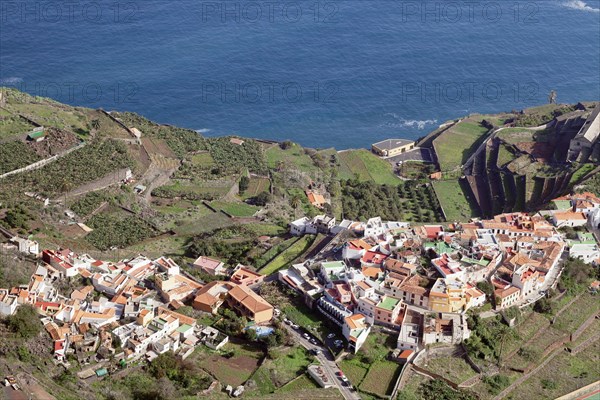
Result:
[190,190]
[236,209]
[538,116]
[440,390]
[233,159]
[363,200]
[455,369]
[274,373]
[113,230]
[293,155]
[17,218]
[454,146]
[286,257]
[256,185]
[91,162]
[13,125]
[15,155]
[381,378]
[203,159]
[366,166]
[488,338]
[181,141]
[86,204]
[25,322]
[581,172]
[454,201]
[183,374]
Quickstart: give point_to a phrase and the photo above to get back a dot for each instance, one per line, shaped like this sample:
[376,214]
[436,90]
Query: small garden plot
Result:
[203,159]
[302,383]
[206,223]
[236,209]
[381,378]
[294,156]
[563,374]
[290,363]
[455,369]
[351,166]
[15,155]
[354,371]
[454,146]
[257,185]
[111,230]
[157,146]
[13,125]
[234,370]
[454,201]
[288,255]
[576,314]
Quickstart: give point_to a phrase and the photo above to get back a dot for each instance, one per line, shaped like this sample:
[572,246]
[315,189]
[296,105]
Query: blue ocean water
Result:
[342,73]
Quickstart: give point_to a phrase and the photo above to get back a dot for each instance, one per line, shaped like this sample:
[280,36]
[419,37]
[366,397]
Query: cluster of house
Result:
[421,280]
[128,309]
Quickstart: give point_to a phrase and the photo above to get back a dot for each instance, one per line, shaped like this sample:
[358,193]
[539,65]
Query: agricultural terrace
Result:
[236,209]
[286,257]
[256,186]
[369,370]
[454,200]
[366,166]
[274,373]
[454,146]
[294,156]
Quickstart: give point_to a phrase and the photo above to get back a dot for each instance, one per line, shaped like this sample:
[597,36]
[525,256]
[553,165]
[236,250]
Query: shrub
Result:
[25,322]
[496,383]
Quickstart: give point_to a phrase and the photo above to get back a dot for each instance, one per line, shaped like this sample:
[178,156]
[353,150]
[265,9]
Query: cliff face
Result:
[520,169]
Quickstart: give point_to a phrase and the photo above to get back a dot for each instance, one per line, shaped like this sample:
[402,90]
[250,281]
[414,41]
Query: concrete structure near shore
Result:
[392,147]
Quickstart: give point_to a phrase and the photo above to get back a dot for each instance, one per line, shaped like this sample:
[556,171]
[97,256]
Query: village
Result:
[416,281]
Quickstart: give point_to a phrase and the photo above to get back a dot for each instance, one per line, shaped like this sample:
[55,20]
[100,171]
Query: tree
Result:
[286,144]
[25,322]
[262,199]
[503,334]
[244,183]
[543,306]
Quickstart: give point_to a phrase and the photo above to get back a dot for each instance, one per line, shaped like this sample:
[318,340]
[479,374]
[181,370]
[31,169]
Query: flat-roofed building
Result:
[392,147]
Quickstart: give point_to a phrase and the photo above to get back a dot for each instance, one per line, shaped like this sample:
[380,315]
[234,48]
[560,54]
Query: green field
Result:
[294,157]
[581,172]
[453,368]
[505,155]
[203,160]
[301,383]
[454,201]
[13,125]
[290,363]
[257,185]
[354,371]
[234,370]
[381,378]
[367,166]
[454,146]
[288,255]
[195,190]
[236,209]
[563,374]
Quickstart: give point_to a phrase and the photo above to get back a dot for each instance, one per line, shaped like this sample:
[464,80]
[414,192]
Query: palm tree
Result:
[503,333]
[295,202]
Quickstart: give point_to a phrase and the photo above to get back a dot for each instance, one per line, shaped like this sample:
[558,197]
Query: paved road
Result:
[327,362]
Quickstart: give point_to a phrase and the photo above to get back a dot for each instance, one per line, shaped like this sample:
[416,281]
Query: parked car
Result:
[306,336]
[314,341]
[331,336]
[287,321]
